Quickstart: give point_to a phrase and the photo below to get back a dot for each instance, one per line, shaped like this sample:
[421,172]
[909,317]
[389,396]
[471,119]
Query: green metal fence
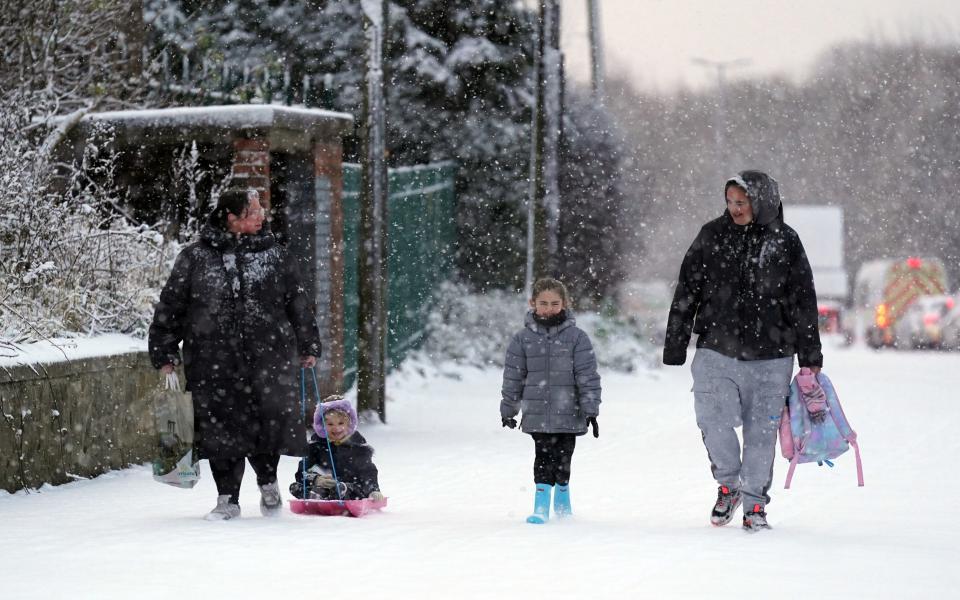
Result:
[421,239]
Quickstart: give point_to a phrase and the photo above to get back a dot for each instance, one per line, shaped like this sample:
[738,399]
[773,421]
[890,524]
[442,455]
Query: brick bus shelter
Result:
[291,156]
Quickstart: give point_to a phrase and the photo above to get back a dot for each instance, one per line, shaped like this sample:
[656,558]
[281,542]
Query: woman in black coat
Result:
[235,301]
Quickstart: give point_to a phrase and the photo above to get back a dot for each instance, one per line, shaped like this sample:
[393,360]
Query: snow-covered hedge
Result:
[474,329]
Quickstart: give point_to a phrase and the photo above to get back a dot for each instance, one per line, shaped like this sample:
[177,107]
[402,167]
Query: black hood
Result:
[764,194]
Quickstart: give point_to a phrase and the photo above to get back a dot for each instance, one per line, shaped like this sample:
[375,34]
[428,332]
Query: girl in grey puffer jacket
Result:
[550,376]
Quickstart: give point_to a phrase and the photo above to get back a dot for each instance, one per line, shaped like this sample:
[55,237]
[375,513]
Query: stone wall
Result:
[75,419]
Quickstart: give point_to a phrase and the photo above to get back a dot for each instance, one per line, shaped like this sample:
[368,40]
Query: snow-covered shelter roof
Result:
[286,127]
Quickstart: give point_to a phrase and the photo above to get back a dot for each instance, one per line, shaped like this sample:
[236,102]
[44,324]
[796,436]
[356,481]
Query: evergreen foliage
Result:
[458,88]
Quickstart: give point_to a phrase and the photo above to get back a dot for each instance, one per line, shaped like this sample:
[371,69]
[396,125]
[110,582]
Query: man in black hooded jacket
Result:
[746,289]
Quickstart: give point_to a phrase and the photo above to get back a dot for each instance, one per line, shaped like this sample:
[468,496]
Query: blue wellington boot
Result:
[541,505]
[561,501]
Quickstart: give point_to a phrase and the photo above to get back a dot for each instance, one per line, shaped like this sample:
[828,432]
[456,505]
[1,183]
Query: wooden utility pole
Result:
[596,49]
[547,123]
[372,257]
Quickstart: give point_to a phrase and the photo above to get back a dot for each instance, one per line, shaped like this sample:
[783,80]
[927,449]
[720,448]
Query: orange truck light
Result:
[881,317]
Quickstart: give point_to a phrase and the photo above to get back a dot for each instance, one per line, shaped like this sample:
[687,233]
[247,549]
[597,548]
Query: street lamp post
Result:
[721,67]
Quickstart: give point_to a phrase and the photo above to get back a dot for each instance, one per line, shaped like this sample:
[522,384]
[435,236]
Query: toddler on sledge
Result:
[335,434]
[550,377]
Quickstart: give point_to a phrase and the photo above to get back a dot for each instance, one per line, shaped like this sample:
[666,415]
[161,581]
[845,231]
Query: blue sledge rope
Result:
[323,426]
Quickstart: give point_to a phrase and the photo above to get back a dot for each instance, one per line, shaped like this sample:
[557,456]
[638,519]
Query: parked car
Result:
[832,318]
[921,325]
[950,330]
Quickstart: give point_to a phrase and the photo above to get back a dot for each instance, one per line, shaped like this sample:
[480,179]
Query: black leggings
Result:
[554,452]
[228,473]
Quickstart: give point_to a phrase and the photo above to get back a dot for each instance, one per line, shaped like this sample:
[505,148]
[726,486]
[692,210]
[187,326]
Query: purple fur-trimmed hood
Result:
[341,405]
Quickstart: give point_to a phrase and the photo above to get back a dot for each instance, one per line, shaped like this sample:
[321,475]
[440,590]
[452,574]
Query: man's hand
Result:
[511,423]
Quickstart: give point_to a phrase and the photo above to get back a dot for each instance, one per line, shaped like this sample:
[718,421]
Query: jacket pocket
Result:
[533,407]
[561,360]
[775,392]
[715,409]
[564,401]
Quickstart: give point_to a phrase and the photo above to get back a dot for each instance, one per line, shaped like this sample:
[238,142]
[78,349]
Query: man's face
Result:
[739,205]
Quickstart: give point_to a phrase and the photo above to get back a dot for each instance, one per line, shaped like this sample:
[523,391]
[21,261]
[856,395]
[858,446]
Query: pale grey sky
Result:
[653,41]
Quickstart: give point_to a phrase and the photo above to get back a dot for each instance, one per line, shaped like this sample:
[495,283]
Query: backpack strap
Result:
[793,465]
[856,451]
[852,440]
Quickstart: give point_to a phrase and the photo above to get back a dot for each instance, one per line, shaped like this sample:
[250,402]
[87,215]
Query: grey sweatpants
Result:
[729,393]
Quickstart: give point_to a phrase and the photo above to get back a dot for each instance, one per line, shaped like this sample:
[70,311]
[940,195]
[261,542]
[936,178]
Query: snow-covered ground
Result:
[460,487]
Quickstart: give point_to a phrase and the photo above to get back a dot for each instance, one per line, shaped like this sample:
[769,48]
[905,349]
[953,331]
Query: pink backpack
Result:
[813,427]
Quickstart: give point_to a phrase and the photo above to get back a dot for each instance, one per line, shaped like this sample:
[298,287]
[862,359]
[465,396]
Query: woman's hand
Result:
[308,362]
[166,369]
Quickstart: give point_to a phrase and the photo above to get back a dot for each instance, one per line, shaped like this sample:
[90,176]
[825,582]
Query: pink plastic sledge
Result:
[336,508]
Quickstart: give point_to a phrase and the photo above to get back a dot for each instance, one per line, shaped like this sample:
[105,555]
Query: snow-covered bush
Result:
[190,205]
[474,329]
[58,56]
[70,261]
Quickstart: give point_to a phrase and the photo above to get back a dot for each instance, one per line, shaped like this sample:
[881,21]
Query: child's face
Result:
[547,303]
[337,424]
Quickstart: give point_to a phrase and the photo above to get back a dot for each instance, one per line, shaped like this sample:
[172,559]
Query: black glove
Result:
[674,357]
[511,423]
[592,422]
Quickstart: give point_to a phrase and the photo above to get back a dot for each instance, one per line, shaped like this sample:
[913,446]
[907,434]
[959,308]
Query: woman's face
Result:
[337,424]
[547,303]
[249,222]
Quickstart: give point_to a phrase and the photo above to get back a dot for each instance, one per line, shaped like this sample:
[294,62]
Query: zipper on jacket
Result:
[547,375]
